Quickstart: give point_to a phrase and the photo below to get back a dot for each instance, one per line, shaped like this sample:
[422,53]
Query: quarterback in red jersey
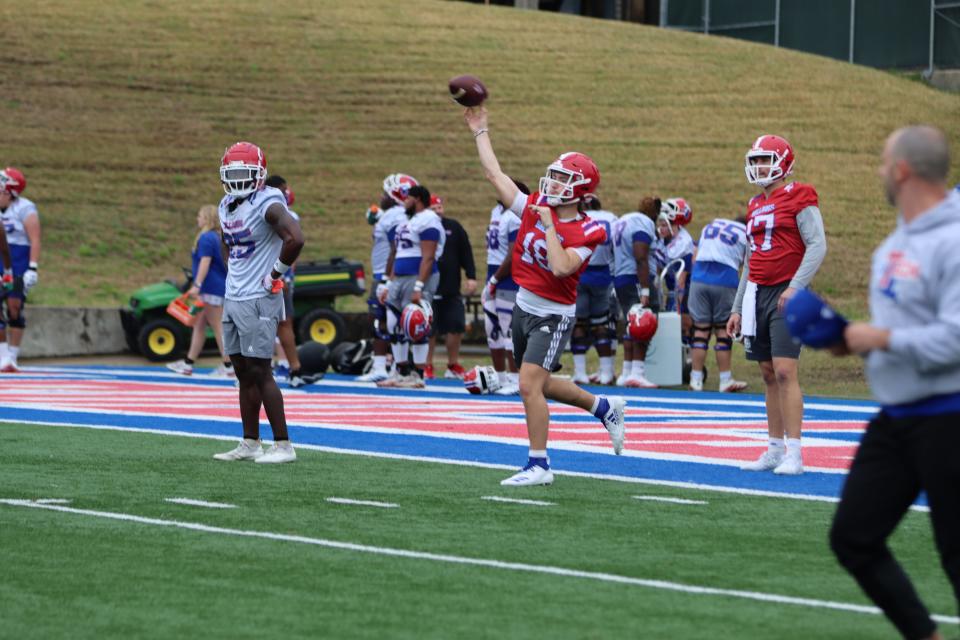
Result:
[553,246]
[786,248]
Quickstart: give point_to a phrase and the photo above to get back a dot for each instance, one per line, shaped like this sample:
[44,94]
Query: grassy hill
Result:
[118,111]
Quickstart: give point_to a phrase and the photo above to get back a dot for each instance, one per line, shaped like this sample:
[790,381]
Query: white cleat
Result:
[279,453]
[792,465]
[604,379]
[769,460]
[528,477]
[622,379]
[390,381]
[246,450]
[639,382]
[732,386]
[8,366]
[509,390]
[614,422]
[410,381]
[580,378]
[372,376]
[696,385]
[594,377]
[223,373]
[181,367]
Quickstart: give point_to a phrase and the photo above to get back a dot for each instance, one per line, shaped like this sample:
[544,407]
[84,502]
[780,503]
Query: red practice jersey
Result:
[530,267]
[776,246]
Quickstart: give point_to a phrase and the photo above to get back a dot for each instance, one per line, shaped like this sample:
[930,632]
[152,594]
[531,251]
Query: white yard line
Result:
[476,562]
[671,500]
[201,503]
[364,503]
[536,503]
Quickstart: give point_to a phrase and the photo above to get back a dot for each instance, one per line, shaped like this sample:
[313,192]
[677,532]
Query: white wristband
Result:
[280,268]
[645,292]
[33,265]
[493,280]
[418,286]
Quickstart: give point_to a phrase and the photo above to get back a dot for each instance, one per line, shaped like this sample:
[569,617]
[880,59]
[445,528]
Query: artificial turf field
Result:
[446,561]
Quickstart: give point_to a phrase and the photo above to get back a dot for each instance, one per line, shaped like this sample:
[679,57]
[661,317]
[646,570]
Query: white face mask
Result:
[767,170]
[557,186]
[241,179]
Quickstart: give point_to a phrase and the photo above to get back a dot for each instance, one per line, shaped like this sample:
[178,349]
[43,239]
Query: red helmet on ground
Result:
[768,152]
[481,380]
[416,320]
[243,169]
[12,181]
[676,211]
[396,185]
[641,323]
[569,178]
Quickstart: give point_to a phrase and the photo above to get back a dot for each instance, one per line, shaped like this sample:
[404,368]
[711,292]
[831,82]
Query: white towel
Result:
[748,315]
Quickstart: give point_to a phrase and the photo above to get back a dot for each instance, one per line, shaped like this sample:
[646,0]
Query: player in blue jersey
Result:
[384,219]
[263,240]
[713,288]
[593,301]
[21,222]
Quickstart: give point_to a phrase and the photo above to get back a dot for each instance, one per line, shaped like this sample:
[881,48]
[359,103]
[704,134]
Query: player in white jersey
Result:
[263,240]
[413,277]
[713,287]
[634,280]
[21,223]
[593,301]
[500,293]
[384,220]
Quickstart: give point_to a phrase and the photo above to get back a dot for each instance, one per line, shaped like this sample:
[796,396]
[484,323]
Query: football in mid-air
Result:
[468,91]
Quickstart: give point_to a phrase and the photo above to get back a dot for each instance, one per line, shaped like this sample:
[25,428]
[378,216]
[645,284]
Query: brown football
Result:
[468,91]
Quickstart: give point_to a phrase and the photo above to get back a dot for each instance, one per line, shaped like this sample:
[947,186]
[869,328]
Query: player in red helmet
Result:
[21,224]
[552,249]
[787,245]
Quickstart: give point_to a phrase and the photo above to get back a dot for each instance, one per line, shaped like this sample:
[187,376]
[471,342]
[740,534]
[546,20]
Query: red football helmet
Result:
[12,181]
[396,185]
[481,380]
[676,211]
[569,178]
[641,323]
[290,197]
[416,320]
[772,153]
[243,169]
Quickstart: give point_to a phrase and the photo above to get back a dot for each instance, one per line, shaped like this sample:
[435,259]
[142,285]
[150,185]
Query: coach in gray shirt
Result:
[912,349]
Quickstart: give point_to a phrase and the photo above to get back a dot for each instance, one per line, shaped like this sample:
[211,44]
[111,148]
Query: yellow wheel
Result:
[160,339]
[322,325]
[323,330]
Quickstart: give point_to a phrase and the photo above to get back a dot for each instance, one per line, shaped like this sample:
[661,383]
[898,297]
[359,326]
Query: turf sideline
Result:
[477,562]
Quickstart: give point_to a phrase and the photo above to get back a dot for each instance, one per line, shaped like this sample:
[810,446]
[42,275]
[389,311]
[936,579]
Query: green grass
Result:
[91,577]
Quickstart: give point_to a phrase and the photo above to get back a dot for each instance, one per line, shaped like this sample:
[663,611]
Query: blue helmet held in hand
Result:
[814,322]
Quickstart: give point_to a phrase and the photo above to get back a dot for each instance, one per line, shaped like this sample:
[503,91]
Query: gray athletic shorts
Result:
[710,303]
[508,296]
[288,299]
[593,303]
[627,296]
[773,340]
[250,326]
[540,340]
[401,289]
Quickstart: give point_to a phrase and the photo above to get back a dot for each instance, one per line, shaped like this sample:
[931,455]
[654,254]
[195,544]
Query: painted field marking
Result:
[536,503]
[476,562]
[201,503]
[672,500]
[364,503]
[52,501]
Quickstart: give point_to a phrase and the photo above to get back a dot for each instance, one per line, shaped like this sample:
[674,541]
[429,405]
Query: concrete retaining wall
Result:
[72,331]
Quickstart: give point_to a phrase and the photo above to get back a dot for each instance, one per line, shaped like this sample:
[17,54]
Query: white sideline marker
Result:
[52,501]
[201,503]
[364,503]
[476,562]
[671,500]
[536,503]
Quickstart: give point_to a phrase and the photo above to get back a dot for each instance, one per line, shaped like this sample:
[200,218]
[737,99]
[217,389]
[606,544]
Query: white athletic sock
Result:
[606,365]
[627,368]
[14,354]
[538,453]
[793,446]
[580,364]
[696,376]
[726,376]
[380,363]
[420,352]
[503,378]
[638,368]
[776,444]
[4,351]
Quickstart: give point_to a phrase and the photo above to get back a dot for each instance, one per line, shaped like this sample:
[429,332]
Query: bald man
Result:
[912,349]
